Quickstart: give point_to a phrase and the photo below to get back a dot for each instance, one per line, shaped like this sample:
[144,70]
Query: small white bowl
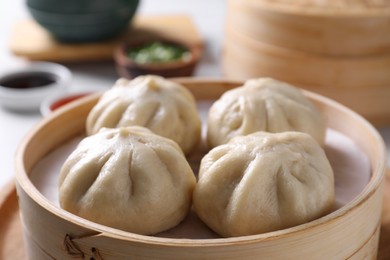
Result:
[53,102]
[23,99]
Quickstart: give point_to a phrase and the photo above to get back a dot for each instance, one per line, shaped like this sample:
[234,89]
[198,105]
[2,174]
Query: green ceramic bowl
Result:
[79,6]
[98,18]
[88,26]
[84,33]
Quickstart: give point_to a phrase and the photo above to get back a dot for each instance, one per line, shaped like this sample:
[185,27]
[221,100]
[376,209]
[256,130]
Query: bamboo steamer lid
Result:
[329,27]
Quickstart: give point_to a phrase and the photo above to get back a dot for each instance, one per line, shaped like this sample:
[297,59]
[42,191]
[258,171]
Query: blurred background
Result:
[206,16]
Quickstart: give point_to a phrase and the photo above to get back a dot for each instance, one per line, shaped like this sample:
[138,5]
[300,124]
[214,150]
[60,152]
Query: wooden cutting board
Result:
[29,40]
[11,234]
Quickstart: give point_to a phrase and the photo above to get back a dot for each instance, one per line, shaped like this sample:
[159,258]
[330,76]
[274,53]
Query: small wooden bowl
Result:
[51,232]
[128,68]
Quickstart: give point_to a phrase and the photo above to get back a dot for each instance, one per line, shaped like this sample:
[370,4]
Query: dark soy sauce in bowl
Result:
[28,80]
[24,88]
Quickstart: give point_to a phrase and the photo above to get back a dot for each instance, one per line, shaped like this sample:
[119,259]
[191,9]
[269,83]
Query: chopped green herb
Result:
[158,52]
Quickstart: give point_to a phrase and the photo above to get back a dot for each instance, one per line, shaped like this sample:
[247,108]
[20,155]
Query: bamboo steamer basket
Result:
[305,68]
[350,232]
[363,84]
[338,48]
[328,27]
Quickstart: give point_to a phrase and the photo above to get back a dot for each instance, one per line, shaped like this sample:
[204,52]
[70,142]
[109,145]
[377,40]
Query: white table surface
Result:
[208,16]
